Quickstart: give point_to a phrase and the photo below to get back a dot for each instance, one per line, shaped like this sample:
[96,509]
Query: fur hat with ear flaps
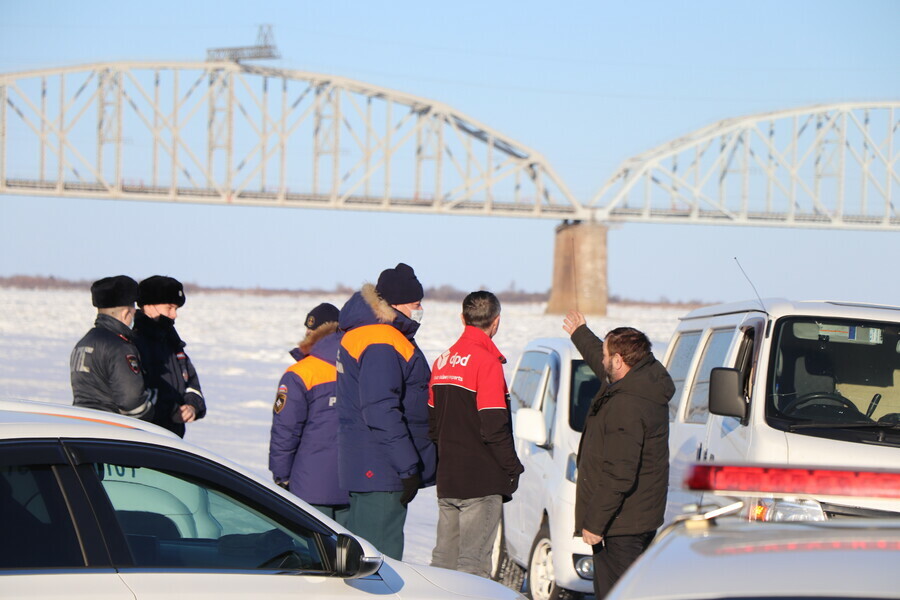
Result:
[160,289]
[111,292]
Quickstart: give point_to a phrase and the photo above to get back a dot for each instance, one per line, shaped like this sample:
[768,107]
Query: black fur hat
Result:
[160,289]
[110,292]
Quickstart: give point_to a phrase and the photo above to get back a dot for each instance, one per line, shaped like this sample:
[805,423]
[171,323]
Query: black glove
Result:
[410,488]
[513,483]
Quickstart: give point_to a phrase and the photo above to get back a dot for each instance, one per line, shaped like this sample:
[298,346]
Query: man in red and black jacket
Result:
[469,418]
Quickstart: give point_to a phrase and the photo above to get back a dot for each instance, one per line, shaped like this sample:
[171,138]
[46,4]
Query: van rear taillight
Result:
[749,480]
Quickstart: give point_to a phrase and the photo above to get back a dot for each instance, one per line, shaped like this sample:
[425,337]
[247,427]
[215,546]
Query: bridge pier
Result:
[579,269]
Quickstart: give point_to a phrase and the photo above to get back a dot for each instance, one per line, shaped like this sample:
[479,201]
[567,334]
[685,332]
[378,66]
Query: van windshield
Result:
[836,378]
[585,386]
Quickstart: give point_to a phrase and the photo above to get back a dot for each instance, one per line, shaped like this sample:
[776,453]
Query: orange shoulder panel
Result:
[357,340]
[314,371]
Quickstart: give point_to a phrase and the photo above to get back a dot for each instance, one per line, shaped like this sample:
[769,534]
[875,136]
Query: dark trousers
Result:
[379,518]
[337,512]
[613,556]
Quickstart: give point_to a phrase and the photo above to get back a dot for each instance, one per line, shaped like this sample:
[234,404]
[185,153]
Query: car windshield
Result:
[584,387]
[836,378]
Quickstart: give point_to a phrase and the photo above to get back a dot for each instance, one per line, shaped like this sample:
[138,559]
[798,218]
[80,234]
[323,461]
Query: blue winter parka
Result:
[302,444]
[382,398]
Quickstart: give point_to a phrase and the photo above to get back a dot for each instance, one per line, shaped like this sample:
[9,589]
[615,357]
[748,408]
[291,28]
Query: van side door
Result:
[727,438]
[690,362]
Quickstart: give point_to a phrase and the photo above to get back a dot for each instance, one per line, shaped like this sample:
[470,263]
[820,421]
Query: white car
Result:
[551,391]
[717,555]
[95,505]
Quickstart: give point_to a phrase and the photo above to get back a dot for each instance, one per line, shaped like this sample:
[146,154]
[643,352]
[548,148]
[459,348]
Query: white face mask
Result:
[416,314]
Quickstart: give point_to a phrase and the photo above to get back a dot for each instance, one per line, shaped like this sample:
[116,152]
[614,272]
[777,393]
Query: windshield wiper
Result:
[852,425]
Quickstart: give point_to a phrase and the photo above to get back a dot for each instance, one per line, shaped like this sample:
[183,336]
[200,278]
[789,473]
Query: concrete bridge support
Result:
[579,269]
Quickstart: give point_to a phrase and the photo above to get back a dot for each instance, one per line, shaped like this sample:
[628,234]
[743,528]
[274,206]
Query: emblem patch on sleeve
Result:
[134,363]
[280,399]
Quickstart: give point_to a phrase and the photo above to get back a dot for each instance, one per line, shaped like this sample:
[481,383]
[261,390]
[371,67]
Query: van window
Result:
[527,379]
[836,378]
[551,387]
[679,363]
[713,356]
[585,386]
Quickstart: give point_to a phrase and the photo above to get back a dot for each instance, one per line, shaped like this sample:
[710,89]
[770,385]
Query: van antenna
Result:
[761,303]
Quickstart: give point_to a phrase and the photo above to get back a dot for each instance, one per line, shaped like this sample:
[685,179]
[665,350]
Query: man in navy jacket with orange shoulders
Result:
[384,452]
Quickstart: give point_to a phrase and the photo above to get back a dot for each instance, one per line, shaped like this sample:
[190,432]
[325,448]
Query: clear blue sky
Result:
[588,84]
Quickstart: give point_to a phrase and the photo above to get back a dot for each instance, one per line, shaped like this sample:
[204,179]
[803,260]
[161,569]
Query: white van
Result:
[551,392]
[786,383]
[771,381]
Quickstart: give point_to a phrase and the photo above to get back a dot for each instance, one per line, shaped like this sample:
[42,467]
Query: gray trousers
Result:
[465,533]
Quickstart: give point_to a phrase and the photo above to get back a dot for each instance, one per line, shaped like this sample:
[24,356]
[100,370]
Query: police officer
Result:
[166,365]
[105,366]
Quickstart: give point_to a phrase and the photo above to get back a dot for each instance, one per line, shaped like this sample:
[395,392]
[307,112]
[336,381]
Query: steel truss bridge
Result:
[229,133]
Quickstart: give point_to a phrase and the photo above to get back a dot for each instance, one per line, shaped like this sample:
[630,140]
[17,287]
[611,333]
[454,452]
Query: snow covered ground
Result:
[239,344]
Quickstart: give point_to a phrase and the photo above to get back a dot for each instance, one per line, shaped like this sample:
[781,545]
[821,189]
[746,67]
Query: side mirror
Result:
[726,397]
[351,561]
[530,426]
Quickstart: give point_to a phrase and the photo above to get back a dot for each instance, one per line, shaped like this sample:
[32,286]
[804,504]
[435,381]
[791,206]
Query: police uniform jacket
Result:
[105,370]
[302,442]
[167,368]
[382,398]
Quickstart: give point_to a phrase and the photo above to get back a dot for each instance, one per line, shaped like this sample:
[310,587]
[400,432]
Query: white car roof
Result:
[734,558]
[23,419]
[777,307]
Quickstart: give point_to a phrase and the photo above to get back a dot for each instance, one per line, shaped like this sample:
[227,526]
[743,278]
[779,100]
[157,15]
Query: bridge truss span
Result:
[228,133]
[828,166]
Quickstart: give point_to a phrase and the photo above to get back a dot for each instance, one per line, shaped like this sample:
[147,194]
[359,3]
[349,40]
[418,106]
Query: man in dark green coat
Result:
[623,458]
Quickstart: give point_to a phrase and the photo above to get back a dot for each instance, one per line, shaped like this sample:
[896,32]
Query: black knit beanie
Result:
[399,285]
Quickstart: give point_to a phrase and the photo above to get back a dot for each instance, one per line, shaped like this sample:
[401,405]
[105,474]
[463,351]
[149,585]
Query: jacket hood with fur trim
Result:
[307,346]
[366,307]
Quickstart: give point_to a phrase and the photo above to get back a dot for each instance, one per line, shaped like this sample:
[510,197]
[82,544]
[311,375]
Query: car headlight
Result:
[572,468]
[769,509]
[584,565]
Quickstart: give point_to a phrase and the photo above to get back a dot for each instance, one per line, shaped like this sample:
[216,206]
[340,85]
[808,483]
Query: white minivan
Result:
[786,383]
[551,392]
[763,381]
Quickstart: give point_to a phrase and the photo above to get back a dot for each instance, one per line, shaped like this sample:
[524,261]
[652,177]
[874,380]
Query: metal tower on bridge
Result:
[264,48]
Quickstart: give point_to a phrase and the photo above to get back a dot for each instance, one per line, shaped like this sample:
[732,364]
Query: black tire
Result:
[504,569]
[541,584]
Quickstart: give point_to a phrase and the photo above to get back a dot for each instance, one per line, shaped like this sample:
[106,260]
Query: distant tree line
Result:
[446,293]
